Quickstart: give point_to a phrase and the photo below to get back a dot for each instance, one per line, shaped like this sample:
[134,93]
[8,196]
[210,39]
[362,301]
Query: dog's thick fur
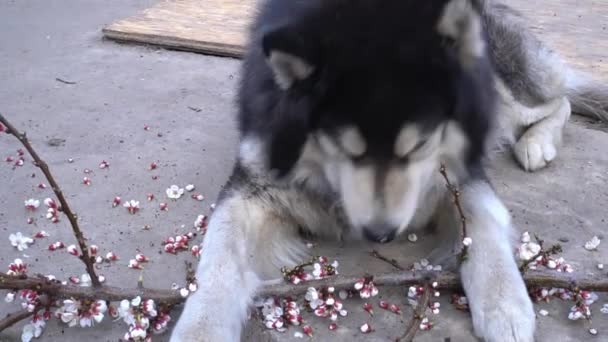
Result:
[347,109]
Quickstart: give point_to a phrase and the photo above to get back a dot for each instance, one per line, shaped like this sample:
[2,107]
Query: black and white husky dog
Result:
[347,109]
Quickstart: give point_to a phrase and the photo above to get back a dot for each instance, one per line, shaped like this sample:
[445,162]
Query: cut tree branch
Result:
[463,220]
[278,287]
[419,314]
[65,208]
[14,318]
[391,262]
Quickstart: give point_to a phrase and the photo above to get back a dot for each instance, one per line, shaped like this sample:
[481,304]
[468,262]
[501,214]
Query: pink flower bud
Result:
[395,309]
[93,250]
[141,258]
[366,328]
[41,234]
[170,248]
[49,202]
[116,202]
[73,250]
[111,256]
[307,330]
[134,264]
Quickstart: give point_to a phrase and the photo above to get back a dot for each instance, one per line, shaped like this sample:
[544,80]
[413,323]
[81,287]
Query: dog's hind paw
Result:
[535,150]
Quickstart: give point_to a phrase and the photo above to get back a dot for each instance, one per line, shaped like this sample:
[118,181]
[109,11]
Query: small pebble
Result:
[543,312]
[593,331]
[600,266]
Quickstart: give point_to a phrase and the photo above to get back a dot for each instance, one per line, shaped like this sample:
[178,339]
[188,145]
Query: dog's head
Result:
[387,89]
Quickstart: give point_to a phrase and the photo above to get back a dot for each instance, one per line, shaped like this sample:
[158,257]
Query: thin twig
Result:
[555,249]
[463,220]
[64,81]
[418,316]
[190,273]
[14,318]
[391,262]
[65,208]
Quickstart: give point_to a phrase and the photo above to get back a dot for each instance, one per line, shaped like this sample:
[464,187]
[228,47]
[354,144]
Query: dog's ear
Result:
[289,136]
[293,57]
[460,21]
[290,54]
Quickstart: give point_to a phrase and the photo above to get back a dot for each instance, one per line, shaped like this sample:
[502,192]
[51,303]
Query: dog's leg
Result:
[542,127]
[500,306]
[538,145]
[244,239]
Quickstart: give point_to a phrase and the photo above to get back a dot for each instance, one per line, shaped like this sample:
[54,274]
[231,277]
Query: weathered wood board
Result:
[576,28]
[217,27]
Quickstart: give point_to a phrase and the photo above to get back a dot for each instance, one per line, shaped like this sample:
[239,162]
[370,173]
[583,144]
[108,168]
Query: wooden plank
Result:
[217,27]
[576,28]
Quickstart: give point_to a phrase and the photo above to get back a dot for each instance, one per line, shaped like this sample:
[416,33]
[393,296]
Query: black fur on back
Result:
[378,64]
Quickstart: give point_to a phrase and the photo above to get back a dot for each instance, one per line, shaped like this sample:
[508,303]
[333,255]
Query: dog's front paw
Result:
[204,320]
[506,319]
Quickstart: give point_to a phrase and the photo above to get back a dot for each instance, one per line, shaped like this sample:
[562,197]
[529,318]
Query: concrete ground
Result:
[119,89]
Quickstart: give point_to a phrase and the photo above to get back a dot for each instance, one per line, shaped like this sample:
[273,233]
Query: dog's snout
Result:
[381,233]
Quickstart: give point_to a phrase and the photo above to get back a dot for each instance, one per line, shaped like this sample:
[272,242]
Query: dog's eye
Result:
[419,145]
[415,151]
[360,159]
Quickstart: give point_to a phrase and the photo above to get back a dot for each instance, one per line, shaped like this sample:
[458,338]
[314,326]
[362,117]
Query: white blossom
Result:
[20,241]
[174,192]
[32,204]
[10,297]
[32,329]
[528,250]
[592,244]
[68,313]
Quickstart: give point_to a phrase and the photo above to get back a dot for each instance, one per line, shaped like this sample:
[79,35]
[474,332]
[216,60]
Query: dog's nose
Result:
[381,233]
